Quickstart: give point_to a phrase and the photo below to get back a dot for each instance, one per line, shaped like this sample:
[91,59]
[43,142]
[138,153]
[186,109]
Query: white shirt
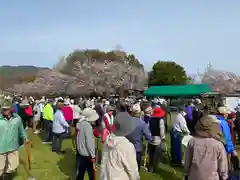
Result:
[179,124]
[76,111]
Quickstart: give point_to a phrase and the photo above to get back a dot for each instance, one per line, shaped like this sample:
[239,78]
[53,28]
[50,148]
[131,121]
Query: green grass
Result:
[50,166]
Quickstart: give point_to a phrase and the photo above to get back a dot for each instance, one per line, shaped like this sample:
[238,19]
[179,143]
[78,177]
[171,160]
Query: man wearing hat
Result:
[86,144]
[118,153]
[141,130]
[12,135]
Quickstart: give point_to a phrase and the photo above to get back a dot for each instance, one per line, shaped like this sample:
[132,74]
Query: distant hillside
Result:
[33,80]
[16,70]
[10,75]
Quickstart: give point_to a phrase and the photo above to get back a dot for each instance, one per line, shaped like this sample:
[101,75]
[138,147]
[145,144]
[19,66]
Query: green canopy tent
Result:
[178,90]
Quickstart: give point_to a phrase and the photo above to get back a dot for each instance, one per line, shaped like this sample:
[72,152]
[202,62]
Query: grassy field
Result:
[47,165]
[50,166]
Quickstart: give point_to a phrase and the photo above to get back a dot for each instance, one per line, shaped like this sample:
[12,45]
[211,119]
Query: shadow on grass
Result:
[25,167]
[167,175]
[67,164]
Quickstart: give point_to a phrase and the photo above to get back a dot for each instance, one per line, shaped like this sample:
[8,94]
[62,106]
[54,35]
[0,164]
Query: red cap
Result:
[158,112]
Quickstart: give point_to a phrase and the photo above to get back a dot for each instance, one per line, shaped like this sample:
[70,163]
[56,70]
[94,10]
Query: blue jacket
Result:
[227,134]
[136,136]
[16,107]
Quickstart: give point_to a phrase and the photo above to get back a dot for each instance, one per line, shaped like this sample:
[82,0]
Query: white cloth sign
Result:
[186,139]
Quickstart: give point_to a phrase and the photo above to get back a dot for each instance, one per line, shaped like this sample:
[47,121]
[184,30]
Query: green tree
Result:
[167,73]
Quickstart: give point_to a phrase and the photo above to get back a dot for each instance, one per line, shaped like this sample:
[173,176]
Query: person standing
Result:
[59,129]
[68,114]
[41,106]
[108,122]
[179,127]
[76,112]
[222,118]
[141,130]
[118,153]
[36,117]
[85,143]
[48,120]
[24,113]
[237,123]
[205,156]
[157,129]
[12,136]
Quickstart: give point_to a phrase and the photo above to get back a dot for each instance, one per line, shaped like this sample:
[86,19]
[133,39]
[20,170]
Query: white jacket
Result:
[59,124]
[76,111]
[179,124]
[118,160]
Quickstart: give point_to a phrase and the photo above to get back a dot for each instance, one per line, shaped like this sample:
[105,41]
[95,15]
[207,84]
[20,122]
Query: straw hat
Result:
[90,114]
[6,105]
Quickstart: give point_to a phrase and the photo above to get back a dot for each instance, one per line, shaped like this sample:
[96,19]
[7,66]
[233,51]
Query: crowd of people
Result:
[127,131]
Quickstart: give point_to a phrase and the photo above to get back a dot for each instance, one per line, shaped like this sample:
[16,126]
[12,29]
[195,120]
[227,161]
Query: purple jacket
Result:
[189,110]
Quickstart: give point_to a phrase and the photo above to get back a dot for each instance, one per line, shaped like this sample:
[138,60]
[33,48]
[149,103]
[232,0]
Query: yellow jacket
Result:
[48,112]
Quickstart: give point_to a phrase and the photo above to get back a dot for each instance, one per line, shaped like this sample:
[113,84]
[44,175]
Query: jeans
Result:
[84,164]
[47,130]
[57,141]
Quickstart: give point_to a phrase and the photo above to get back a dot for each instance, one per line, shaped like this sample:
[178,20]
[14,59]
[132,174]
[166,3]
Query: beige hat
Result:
[24,103]
[90,114]
[210,117]
[6,105]
[223,110]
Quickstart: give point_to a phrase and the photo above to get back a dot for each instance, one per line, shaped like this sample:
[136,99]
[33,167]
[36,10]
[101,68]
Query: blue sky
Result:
[191,32]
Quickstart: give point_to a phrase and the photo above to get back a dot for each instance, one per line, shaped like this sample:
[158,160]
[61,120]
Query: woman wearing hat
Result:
[86,144]
[118,153]
[205,156]
[157,129]
[108,122]
[222,117]
[68,114]
[59,129]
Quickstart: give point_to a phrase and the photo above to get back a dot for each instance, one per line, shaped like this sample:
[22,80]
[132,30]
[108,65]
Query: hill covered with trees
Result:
[79,73]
